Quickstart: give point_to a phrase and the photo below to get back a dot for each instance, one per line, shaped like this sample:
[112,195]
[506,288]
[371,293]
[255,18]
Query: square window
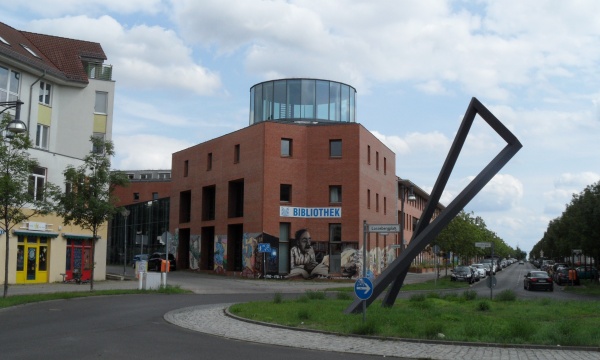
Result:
[335,194]
[136,196]
[285,193]
[335,148]
[154,196]
[286,147]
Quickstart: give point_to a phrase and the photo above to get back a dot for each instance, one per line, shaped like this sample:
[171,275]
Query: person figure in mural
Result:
[219,256]
[303,261]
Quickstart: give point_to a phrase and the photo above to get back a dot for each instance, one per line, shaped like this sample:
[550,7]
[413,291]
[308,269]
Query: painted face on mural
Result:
[304,242]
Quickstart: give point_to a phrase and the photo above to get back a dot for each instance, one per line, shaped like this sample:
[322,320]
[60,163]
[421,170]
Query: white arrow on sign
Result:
[363,287]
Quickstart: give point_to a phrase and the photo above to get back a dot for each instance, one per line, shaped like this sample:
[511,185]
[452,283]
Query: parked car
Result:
[155,259]
[561,276]
[521,262]
[587,272]
[538,280]
[463,273]
[138,257]
[492,264]
[555,267]
[488,268]
[481,269]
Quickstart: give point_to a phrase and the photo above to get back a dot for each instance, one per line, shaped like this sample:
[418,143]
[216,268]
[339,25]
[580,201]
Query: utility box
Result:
[164,266]
[149,281]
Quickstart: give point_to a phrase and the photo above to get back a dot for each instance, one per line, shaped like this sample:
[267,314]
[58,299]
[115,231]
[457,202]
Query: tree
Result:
[18,200]
[89,201]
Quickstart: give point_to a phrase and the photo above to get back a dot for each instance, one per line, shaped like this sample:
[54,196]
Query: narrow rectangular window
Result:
[209,162]
[36,183]
[209,203]
[335,148]
[335,194]
[186,165]
[377,160]
[45,92]
[369,154]
[236,154]
[101,105]
[98,148]
[335,233]
[384,205]
[41,137]
[376,202]
[368,199]
[286,147]
[154,196]
[285,193]
[384,165]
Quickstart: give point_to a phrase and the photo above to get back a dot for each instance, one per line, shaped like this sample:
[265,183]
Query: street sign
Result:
[363,288]
[483,244]
[491,281]
[384,228]
[264,247]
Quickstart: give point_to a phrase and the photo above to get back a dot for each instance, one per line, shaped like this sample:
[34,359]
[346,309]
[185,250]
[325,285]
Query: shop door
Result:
[79,257]
[32,261]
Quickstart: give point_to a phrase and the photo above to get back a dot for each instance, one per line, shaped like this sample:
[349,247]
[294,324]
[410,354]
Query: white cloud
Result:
[156,150]
[503,193]
[143,57]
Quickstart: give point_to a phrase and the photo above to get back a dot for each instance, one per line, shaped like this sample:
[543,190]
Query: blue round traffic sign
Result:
[363,288]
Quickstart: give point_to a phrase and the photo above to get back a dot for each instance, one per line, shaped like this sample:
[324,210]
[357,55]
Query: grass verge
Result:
[453,317]
[15,300]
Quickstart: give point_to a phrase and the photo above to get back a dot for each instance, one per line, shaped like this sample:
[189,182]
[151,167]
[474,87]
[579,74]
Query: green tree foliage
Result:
[577,228]
[17,200]
[89,201]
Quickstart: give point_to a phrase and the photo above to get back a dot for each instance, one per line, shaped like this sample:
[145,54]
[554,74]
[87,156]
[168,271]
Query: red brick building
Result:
[290,169]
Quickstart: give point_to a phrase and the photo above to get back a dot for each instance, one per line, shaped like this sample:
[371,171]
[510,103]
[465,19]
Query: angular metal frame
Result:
[427,230]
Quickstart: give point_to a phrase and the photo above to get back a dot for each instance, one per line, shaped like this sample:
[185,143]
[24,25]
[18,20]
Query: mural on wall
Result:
[220,254]
[350,262]
[303,260]
[174,243]
[250,254]
[195,252]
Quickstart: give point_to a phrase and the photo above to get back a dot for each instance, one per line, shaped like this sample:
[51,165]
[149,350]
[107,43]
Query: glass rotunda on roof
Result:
[302,100]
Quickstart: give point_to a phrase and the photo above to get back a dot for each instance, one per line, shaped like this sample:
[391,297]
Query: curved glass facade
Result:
[302,99]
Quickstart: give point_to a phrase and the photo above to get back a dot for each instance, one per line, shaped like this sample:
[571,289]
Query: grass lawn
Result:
[464,317]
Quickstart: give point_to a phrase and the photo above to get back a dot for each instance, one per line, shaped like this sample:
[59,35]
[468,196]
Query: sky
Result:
[184,68]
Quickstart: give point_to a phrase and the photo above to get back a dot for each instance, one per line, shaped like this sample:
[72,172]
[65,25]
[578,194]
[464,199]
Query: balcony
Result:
[99,71]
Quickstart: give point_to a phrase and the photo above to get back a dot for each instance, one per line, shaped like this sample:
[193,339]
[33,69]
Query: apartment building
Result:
[67,95]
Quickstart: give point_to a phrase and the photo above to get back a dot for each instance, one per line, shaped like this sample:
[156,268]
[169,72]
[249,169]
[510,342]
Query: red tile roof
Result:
[59,56]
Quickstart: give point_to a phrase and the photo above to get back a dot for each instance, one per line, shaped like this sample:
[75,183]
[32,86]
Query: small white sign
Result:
[483,244]
[384,228]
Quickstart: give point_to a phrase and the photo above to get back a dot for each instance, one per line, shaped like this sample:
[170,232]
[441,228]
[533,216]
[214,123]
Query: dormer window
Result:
[29,50]
[4,41]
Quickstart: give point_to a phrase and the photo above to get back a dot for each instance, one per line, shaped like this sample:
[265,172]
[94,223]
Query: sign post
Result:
[491,282]
[264,248]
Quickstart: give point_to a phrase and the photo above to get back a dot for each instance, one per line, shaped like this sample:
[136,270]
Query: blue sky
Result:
[183,70]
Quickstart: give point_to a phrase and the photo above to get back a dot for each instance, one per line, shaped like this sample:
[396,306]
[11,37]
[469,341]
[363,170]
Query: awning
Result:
[35,233]
[77,236]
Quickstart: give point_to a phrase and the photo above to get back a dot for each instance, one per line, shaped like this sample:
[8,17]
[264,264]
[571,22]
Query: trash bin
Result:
[164,266]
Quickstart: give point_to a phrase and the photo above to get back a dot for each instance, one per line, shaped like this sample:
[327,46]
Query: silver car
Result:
[480,269]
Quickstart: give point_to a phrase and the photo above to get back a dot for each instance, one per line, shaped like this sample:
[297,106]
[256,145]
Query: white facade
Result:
[63,106]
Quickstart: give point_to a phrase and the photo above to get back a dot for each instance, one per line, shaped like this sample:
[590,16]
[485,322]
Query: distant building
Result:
[67,93]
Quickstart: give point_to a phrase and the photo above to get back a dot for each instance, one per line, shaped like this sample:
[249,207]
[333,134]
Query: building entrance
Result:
[32,260]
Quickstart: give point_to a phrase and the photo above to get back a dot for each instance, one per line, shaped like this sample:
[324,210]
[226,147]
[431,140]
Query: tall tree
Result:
[20,200]
[89,201]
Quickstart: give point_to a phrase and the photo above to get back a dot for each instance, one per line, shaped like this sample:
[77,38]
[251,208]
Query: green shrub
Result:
[470,294]
[506,295]
[483,305]
[315,295]
[365,328]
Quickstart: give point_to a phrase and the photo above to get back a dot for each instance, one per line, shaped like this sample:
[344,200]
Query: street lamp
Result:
[125,214]
[16,126]
[411,198]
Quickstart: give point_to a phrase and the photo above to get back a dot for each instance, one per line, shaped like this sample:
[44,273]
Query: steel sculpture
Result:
[426,231]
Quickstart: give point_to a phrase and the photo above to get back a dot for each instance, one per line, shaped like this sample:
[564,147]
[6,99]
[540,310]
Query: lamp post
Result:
[125,214]
[411,197]
[14,127]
